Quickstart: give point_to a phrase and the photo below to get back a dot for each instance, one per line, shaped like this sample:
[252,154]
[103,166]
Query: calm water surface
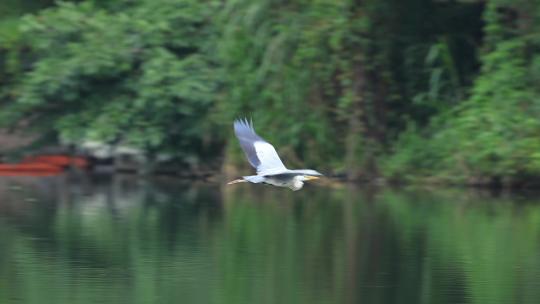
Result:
[122,240]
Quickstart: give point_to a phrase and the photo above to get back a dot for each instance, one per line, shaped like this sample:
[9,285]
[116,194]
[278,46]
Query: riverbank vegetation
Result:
[402,89]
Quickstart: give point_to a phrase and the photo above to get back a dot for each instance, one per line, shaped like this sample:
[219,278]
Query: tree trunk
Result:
[356,132]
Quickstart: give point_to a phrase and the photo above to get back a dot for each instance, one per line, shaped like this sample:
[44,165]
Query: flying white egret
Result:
[264,158]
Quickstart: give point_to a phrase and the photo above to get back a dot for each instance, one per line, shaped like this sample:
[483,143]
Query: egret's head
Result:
[299,180]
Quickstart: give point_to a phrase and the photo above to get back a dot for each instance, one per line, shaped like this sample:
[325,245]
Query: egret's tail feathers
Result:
[236,181]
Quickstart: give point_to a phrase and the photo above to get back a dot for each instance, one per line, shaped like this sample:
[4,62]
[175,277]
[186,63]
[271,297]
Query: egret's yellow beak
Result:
[309,177]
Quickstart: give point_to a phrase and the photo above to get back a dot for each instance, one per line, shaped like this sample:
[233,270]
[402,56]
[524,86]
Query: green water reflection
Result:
[131,241]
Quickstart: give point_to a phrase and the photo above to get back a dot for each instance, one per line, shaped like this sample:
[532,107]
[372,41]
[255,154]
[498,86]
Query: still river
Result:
[127,240]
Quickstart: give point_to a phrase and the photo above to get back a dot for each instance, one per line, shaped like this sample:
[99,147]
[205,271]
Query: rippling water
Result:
[123,240]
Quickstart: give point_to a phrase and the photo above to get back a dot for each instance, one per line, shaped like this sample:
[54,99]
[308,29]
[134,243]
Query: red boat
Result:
[42,165]
[29,169]
[62,161]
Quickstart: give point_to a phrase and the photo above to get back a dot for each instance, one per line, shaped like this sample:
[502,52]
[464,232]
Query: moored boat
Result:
[29,169]
[62,161]
[42,165]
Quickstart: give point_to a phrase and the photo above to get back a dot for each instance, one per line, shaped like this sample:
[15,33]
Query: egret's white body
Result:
[264,158]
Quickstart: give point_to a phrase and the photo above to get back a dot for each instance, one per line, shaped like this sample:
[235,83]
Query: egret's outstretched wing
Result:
[307,172]
[260,153]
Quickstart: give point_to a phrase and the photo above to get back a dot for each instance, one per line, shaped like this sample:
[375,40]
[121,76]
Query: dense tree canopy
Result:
[491,136]
[394,88]
[136,74]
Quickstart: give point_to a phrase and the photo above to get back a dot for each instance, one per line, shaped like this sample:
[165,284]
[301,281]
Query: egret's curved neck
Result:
[297,183]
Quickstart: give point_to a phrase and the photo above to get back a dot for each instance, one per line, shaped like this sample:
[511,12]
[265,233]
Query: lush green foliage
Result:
[400,88]
[345,77]
[136,74]
[493,135]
